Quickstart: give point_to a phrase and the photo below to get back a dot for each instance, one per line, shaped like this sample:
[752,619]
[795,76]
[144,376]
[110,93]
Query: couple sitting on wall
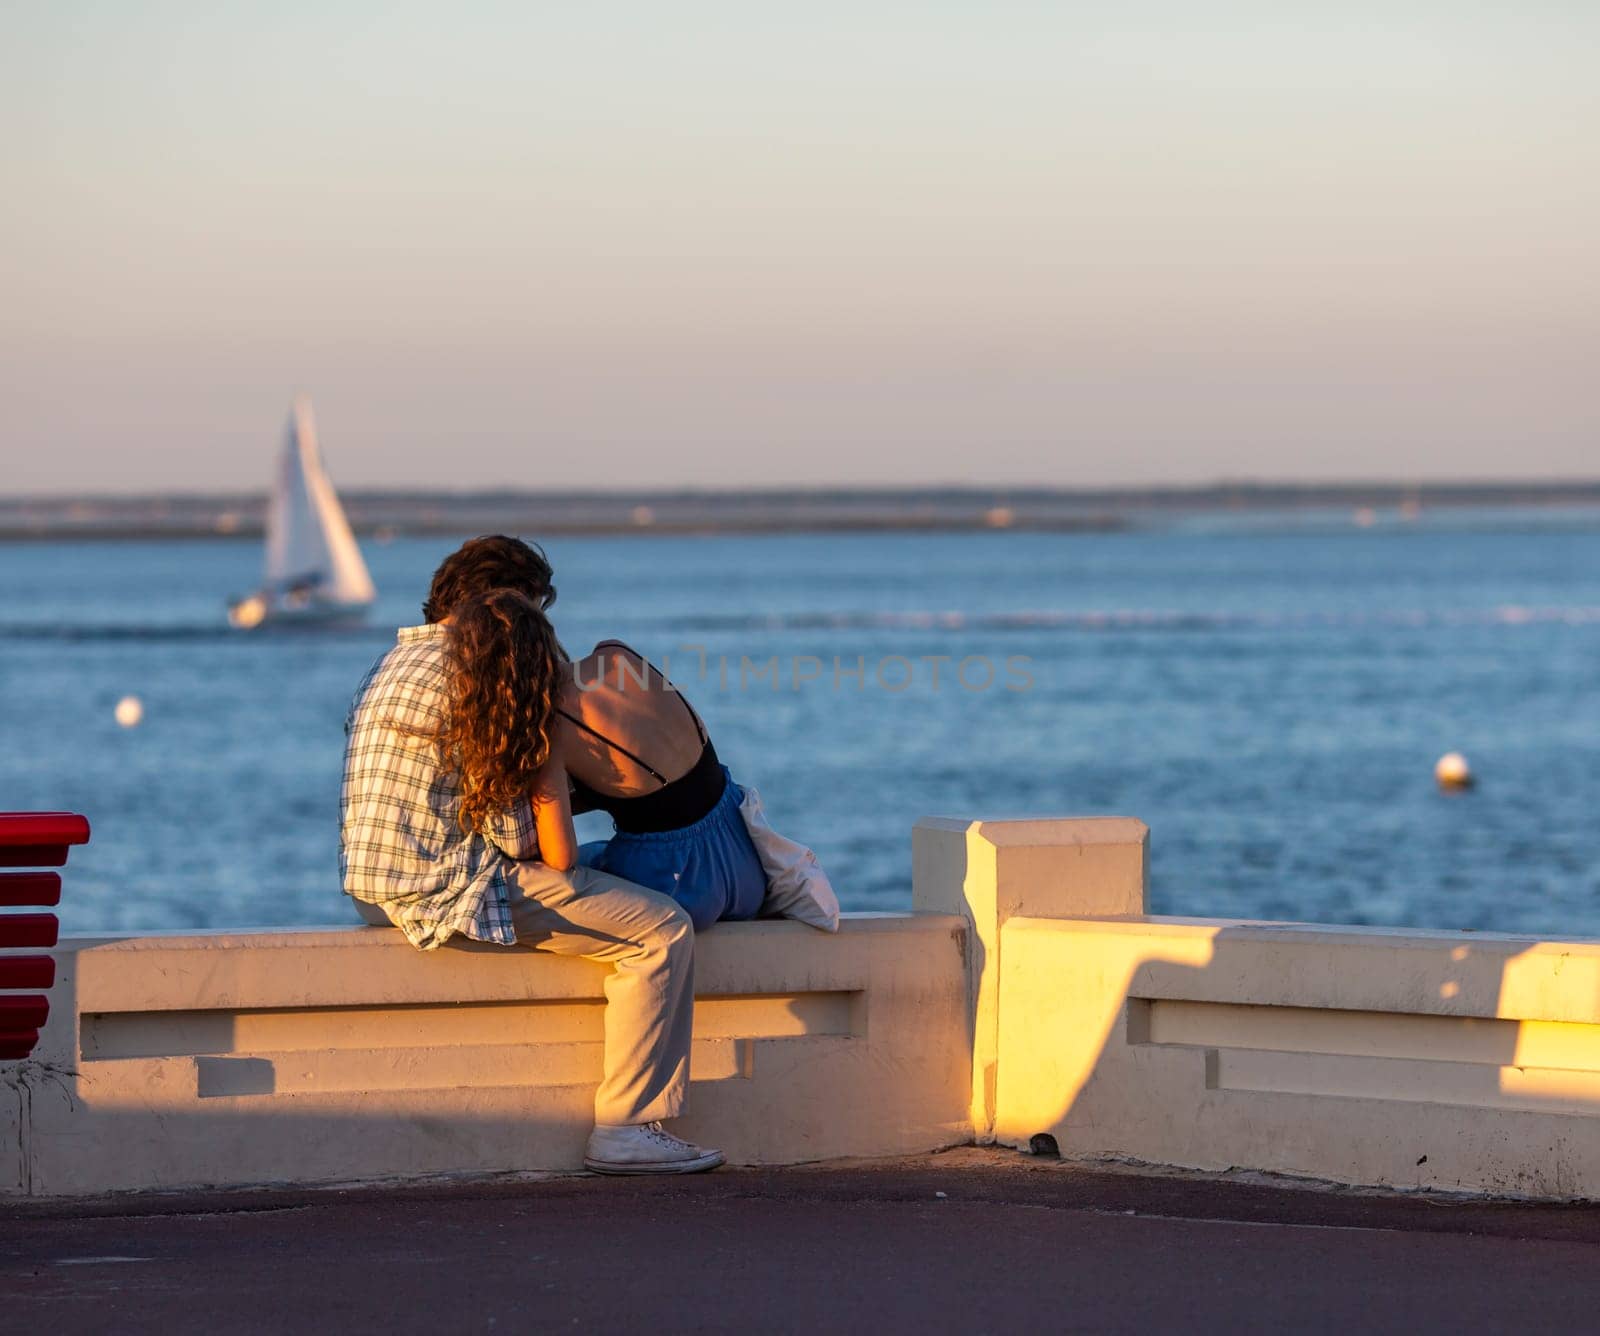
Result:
[470,745]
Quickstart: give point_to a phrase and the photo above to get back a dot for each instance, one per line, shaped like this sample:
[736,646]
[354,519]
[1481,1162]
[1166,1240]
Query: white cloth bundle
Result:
[797,887]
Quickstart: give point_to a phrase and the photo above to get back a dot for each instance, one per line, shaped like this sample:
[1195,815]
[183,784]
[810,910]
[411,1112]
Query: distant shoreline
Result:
[561,529]
[380,515]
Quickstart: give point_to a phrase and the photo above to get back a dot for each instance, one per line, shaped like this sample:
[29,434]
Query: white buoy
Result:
[1453,772]
[130,710]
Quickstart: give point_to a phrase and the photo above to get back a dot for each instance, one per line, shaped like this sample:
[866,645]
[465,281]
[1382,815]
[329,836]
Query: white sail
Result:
[309,543]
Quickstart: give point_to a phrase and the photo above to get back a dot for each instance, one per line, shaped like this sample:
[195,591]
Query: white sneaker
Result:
[647,1149]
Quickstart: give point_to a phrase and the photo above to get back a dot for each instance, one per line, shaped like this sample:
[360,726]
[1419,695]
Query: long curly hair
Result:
[492,561]
[506,670]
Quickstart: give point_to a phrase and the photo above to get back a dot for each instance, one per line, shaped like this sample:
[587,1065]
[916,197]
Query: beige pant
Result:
[650,994]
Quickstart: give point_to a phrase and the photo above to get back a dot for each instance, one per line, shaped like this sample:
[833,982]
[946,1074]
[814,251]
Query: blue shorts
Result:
[710,868]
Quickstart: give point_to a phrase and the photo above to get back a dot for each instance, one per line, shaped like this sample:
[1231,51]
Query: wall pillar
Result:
[989,871]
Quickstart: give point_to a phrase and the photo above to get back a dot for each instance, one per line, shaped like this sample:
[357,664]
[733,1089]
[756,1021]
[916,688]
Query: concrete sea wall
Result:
[329,1055]
[1029,993]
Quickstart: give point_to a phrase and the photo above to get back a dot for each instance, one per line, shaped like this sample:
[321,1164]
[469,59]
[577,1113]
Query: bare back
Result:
[624,705]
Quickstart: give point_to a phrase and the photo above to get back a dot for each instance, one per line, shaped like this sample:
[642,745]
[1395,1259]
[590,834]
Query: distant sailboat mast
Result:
[308,537]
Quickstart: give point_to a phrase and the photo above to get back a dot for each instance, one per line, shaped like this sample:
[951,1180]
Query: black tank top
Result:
[677,803]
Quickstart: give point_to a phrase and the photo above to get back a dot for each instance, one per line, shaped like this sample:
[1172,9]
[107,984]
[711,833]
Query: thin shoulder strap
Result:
[700,728]
[613,744]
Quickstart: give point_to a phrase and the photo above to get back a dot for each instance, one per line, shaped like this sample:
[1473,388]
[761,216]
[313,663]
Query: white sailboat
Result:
[314,570]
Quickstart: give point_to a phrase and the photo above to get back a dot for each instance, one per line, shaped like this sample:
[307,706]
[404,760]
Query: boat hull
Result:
[261,611]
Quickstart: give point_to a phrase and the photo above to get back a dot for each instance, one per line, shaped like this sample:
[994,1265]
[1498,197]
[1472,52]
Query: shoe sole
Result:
[698,1165]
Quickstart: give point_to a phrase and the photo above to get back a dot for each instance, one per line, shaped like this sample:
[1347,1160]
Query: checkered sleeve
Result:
[514,833]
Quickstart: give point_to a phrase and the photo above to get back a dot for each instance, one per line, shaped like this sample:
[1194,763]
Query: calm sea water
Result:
[1269,698]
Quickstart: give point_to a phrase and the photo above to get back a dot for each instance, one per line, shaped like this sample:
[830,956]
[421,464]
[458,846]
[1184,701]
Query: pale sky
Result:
[631,243]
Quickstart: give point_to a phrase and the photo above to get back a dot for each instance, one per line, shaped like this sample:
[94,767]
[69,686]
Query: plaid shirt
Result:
[401,845]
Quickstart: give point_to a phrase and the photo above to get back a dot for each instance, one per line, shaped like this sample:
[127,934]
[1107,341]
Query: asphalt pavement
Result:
[967,1241]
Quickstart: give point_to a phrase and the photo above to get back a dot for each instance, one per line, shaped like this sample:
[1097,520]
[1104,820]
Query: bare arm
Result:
[552,816]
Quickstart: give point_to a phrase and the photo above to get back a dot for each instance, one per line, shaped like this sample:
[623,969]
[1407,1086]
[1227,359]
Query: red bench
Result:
[30,840]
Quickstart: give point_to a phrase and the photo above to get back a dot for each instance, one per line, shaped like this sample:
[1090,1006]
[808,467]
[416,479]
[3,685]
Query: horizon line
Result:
[1465,484]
